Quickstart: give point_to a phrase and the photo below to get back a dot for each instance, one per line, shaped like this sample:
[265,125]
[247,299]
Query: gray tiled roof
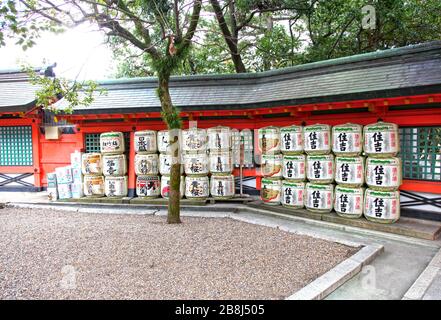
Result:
[16,93]
[372,75]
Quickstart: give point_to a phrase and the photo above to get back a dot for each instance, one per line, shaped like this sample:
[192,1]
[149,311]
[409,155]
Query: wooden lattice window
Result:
[16,146]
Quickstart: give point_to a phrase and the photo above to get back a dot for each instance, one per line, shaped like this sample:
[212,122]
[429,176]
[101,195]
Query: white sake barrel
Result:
[196,187]
[235,146]
[271,166]
[52,194]
[382,206]
[219,138]
[319,197]
[270,191]
[112,142]
[293,167]
[75,159]
[77,190]
[64,191]
[114,165]
[293,194]
[383,174]
[349,202]
[222,187]
[93,186]
[317,139]
[269,140]
[291,138]
[320,168]
[51,180]
[347,139]
[163,141]
[92,164]
[64,174]
[148,186]
[145,141]
[115,187]
[381,140]
[194,140]
[165,186]
[146,164]
[196,164]
[221,162]
[349,171]
[165,163]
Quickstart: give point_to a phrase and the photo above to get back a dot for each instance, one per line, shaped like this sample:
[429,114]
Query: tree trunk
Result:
[171,118]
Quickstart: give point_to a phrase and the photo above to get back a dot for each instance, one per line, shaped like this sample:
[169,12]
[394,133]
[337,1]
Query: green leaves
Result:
[74,93]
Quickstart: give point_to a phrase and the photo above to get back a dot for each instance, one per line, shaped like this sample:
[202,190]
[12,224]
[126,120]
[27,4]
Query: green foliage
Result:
[75,93]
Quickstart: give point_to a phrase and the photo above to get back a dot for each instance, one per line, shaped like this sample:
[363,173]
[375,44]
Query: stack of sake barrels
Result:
[92,168]
[383,172]
[347,145]
[271,164]
[319,191]
[196,163]
[114,164]
[220,162]
[147,164]
[293,167]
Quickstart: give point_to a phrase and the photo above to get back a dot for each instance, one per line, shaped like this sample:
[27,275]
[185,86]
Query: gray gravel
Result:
[66,255]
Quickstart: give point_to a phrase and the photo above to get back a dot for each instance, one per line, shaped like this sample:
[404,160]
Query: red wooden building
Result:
[401,85]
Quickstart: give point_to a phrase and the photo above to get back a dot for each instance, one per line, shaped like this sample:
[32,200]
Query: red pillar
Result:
[36,153]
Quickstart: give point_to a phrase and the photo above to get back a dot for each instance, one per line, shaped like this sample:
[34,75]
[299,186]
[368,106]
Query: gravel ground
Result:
[66,255]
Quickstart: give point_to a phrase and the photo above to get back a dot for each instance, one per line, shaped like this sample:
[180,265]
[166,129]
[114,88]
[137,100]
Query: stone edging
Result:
[423,282]
[337,276]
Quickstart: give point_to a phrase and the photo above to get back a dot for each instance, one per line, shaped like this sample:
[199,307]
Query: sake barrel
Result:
[145,141]
[194,140]
[222,187]
[349,202]
[381,140]
[77,190]
[382,206]
[293,194]
[291,140]
[115,187]
[51,180]
[64,191]
[75,159]
[293,167]
[92,164]
[165,186]
[148,186]
[235,146]
[317,139]
[146,164]
[320,168]
[319,197]
[112,142]
[64,175]
[77,175]
[219,138]
[347,139]
[271,165]
[196,164]
[221,162]
[93,186]
[165,163]
[270,191]
[269,140]
[383,174]
[197,187]
[52,194]
[114,165]
[163,141]
[349,171]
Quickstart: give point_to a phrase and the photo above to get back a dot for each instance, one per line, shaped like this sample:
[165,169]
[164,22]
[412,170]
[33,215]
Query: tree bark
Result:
[171,117]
